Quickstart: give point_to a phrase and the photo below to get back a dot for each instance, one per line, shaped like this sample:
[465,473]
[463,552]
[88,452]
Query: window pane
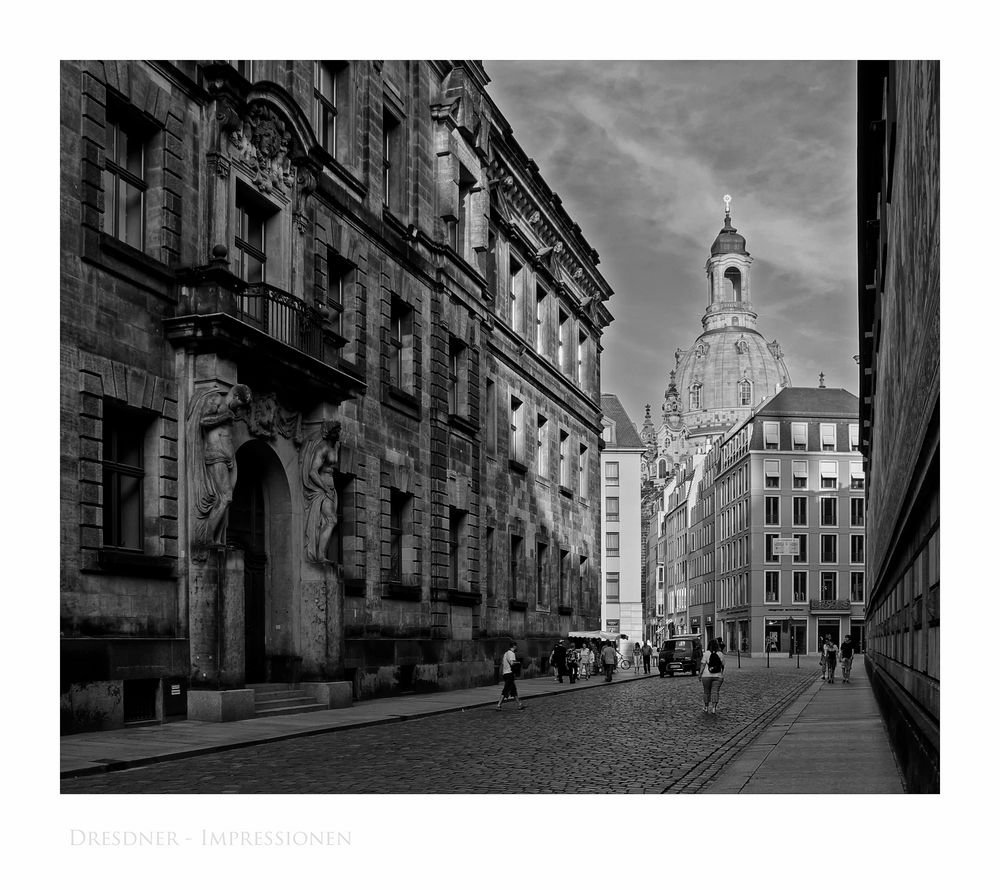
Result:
[130,529]
[132,228]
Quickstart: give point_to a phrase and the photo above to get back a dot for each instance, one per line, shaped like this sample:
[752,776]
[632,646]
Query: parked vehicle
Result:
[681,653]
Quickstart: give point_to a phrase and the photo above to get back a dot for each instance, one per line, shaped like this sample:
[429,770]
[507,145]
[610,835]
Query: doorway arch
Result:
[260,526]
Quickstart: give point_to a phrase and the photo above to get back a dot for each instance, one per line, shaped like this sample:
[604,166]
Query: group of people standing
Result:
[829,656]
[644,653]
[579,662]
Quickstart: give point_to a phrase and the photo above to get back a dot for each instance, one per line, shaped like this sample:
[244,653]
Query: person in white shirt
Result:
[713,666]
[507,673]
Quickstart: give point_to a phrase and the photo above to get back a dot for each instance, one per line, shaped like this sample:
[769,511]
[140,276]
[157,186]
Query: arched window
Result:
[734,285]
[662,469]
[745,392]
[694,400]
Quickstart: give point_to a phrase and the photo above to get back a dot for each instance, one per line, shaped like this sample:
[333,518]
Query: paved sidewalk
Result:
[831,740]
[94,752]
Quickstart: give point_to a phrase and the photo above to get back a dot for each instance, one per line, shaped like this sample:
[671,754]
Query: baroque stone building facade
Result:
[330,384]
[900,379]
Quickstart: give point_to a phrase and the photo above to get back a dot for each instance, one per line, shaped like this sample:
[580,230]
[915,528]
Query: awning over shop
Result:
[591,635]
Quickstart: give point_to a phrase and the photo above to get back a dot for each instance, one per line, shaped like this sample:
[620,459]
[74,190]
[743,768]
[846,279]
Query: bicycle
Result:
[624,662]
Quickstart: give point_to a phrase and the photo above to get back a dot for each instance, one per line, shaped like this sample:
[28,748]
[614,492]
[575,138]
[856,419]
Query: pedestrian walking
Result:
[647,654]
[586,661]
[572,663]
[507,670]
[829,659]
[636,655]
[559,657]
[609,655]
[846,658]
[713,666]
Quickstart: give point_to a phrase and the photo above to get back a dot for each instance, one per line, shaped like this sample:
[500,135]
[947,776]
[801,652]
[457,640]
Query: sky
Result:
[642,153]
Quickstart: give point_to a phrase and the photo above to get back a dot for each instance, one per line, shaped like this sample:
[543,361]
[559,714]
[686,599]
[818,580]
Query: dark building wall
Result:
[148,329]
[899,295]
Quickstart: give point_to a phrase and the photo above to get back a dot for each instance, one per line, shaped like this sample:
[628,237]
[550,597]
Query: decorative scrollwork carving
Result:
[262,142]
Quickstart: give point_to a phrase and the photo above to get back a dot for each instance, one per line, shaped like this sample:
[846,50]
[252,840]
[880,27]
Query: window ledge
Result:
[464,424]
[401,400]
[517,466]
[126,261]
[395,591]
[515,605]
[119,562]
[566,492]
[565,610]
[457,597]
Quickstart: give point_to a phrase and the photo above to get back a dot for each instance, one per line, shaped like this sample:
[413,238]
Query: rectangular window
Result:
[584,472]
[800,587]
[251,239]
[771,435]
[456,549]
[491,590]
[542,447]
[827,548]
[772,592]
[564,463]
[542,574]
[340,277]
[772,474]
[516,430]
[611,544]
[541,305]
[401,345]
[611,588]
[769,548]
[563,340]
[857,476]
[828,436]
[852,433]
[828,511]
[515,285]
[392,161]
[329,92]
[858,549]
[800,433]
[772,511]
[828,474]
[457,377]
[581,359]
[123,474]
[800,511]
[611,472]
[491,416]
[857,587]
[803,549]
[399,517]
[463,227]
[828,586]
[800,474]
[858,512]
[516,555]
[611,509]
[564,582]
[124,182]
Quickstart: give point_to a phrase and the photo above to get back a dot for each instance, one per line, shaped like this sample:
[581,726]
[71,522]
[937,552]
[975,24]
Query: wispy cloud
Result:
[641,154]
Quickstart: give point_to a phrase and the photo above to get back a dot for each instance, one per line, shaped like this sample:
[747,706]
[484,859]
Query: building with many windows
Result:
[329,385]
[621,558]
[900,380]
[789,500]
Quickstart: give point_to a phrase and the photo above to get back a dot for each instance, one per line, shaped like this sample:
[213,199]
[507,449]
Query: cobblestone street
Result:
[647,736]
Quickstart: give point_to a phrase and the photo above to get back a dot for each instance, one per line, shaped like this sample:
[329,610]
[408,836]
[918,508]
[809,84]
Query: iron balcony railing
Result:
[283,317]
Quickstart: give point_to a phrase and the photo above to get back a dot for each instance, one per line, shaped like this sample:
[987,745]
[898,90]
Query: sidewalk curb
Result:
[149,760]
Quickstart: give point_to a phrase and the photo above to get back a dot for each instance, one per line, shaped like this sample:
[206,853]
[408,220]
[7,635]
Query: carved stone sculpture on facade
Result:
[213,462]
[320,459]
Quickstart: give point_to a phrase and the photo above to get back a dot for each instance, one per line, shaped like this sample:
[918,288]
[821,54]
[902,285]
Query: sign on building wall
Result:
[785,547]
[612,625]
